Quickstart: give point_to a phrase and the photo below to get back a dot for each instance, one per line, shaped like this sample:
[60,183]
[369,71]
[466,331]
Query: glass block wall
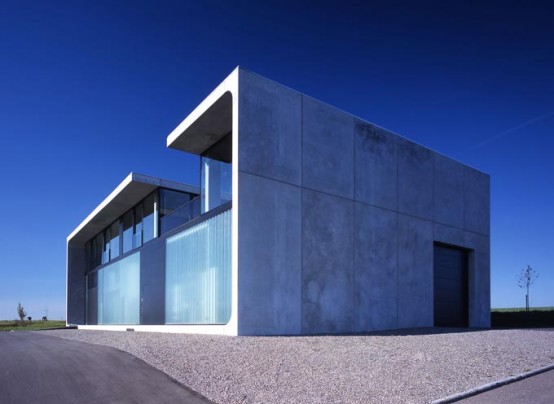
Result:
[119,292]
[198,273]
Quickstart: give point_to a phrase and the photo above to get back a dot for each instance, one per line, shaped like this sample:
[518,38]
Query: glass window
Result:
[216,184]
[106,247]
[175,209]
[171,200]
[128,231]
[97,250]
[137,234]
[216,174]
[114,242]
[148,227]
[136,227]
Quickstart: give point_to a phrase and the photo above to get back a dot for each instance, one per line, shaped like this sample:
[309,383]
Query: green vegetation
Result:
[539,317]
[15,325]
[513,309]
[21,312]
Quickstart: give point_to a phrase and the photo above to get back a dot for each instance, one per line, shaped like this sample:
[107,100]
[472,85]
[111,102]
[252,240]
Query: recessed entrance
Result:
[450,286]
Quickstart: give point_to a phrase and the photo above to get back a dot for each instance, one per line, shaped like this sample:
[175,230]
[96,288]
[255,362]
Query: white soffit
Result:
[210,121]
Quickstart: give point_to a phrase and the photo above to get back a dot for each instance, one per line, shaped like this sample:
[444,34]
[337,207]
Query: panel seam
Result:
[301,213]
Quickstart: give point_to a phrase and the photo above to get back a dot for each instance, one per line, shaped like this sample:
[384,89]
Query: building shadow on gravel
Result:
[396,333]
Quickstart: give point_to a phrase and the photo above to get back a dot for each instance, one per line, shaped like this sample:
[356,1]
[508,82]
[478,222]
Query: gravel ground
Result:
[408,366]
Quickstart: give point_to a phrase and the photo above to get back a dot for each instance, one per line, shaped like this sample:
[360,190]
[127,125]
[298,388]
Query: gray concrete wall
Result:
[152,282]
[76,285]
[270,276]
[338,219]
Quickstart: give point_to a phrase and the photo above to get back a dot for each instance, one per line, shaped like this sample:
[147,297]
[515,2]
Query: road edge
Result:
[491,386]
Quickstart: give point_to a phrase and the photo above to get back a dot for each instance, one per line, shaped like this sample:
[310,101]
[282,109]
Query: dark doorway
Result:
[450,286]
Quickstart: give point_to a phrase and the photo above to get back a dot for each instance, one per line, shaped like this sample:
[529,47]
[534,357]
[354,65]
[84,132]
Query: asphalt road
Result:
[37,368]
[537,389]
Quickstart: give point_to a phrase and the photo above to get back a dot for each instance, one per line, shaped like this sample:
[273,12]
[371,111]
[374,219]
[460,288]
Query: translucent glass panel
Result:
[215,183]
[198,273]
[119,292]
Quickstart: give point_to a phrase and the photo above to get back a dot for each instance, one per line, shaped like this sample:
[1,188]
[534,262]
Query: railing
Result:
[180,216]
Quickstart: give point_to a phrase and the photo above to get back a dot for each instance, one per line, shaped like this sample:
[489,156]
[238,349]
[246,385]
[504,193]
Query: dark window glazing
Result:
[128,231]
[137,234]
[148,226]
[139,225]
[96,251]
[176,208]
[114,241]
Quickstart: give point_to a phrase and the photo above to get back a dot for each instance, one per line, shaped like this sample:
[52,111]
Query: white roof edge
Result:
[224,87]
[102,205]
[137,178]
[206,103]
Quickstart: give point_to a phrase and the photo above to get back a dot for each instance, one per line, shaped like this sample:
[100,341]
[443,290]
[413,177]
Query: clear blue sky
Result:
[90,90]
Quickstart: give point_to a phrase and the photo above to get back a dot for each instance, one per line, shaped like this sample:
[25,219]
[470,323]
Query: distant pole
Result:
[527,300]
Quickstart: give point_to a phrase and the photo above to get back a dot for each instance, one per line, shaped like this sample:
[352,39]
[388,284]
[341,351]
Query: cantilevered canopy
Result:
[205,126]
[132,190]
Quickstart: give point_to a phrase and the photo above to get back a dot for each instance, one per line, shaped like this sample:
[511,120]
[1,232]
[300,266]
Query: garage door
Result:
[450,286]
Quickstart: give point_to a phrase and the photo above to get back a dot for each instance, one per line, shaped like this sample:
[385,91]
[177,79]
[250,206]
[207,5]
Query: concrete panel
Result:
[327,263]
[269,129]
[152,282]
[76,285]
[415,179]
[450,235]
[269,260]
[375,167]
[477,201]
[327,149]
[449,191]
[415,272]
[375,260]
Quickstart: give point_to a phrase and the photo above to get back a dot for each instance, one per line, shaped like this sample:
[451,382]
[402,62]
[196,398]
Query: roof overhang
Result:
[210,121]
[132,190]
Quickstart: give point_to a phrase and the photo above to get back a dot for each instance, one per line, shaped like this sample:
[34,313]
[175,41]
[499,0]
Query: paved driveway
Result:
[537,389]
[40,368]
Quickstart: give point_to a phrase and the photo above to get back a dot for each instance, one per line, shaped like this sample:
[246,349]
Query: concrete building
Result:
[307,220]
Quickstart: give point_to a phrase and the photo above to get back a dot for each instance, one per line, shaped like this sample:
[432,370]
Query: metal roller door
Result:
[450,286]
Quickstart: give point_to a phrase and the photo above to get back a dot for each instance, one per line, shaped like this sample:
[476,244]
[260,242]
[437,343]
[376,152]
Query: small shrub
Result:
[21,313]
